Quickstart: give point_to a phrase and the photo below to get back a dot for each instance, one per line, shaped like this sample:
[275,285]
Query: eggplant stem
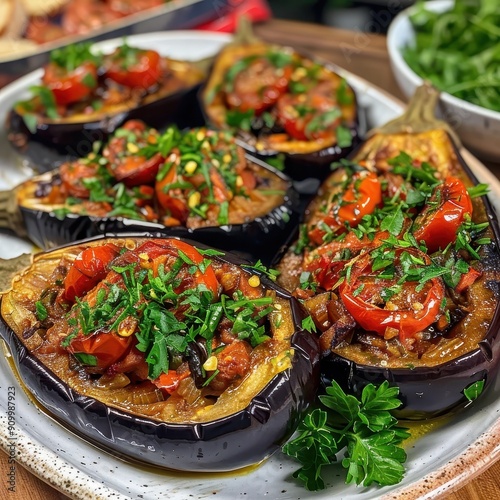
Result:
[244,32]
[244,35]
[419,116]
[10,215]
[9,268]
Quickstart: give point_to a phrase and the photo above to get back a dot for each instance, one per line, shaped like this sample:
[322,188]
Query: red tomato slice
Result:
[249,179]
[440,219]
[407,320]
[72,176]
[321,262]
[123,154]
[467,279]
[100,349]
[172,200]
[156,249]
[169,381]
[88,269]
[220,190]
[70,86]
[360,198]
[137,170]
[317,120]
[258,86]
[134,68]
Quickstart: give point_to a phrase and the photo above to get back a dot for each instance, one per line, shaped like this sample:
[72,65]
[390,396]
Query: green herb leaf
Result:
[31,121]
[393,222]
[473,391]
[344,137]
[308,325]
[478,190]
[86,359]
[41,311]
[240,119]
[364,429]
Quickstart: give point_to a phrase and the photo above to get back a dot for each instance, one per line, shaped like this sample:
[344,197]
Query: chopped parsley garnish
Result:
[47,99]
[41,311]
[72,56]
[162,334]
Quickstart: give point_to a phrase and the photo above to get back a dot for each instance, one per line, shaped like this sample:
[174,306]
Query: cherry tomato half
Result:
[258,86]
[123,152]
[137,170]
[134,68]
[155,250]
[309,116]
[101,349]
[169,381]
[70,86]
[89,267]
[74,173]
[171,200]
[411,310]
[360,198]
[440,219]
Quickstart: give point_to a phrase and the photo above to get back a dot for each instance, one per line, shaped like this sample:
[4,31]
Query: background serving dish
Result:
[77,469]
[178,14]
[476,126]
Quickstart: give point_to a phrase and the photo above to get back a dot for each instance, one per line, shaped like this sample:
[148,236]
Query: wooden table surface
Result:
[366,56]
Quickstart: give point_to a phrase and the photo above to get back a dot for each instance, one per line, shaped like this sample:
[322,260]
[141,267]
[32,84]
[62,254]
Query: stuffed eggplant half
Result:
[84,96]
[195,182]
[282,102]
[161,351]
[398,264]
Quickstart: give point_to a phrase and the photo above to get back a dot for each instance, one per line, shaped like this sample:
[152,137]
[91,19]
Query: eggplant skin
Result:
[259,238]
[424,392]
[54,143]
[314,165]
[238,440]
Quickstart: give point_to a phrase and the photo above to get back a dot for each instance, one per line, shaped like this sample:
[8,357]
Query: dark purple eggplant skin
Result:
[434,391]
[239,440]
[54,143]
[260,238]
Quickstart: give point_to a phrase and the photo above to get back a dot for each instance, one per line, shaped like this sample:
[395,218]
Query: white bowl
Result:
[477,127]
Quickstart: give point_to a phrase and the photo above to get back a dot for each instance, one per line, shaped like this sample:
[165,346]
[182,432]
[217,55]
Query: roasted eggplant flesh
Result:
[167,335]
[281,102]
[84,96]
[196,180]
[398,264]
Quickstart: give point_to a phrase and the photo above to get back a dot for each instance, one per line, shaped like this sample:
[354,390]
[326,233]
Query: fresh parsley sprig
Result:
[363,428]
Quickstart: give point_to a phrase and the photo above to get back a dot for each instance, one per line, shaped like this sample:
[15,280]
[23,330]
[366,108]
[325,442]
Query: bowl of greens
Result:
[456,46]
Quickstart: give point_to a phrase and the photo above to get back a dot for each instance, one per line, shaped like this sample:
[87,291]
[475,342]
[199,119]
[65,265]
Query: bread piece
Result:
[13,19]
[16,48]
[43,7]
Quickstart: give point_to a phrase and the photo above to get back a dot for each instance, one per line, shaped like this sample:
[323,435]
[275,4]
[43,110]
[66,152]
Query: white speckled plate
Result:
[454,451]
